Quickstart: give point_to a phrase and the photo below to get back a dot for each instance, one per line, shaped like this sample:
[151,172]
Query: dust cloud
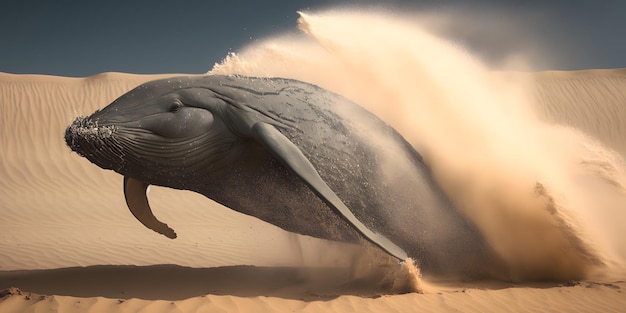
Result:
[549,199]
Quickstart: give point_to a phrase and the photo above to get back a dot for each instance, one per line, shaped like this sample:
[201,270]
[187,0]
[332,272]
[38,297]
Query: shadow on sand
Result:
[172,282]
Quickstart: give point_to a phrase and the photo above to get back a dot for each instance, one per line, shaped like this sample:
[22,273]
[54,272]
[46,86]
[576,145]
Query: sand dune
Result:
[66,230]
[591,101]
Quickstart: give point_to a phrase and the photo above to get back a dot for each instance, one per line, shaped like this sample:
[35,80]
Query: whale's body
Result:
[266,148]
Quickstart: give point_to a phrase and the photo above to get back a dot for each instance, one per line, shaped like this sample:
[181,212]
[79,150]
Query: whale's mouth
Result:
[138,152]
[94,142]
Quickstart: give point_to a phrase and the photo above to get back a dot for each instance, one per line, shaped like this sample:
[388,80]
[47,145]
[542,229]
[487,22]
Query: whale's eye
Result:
[175,107]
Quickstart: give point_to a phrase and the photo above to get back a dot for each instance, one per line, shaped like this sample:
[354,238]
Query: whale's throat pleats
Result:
[135,192]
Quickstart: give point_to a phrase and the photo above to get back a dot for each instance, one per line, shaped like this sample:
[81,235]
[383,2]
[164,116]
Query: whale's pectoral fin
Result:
[135,192]
[292,157]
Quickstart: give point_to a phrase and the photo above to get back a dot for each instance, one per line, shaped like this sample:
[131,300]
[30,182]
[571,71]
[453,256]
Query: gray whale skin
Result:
[284,151]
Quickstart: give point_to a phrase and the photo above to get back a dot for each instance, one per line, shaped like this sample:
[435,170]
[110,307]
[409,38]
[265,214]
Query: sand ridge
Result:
[576,297]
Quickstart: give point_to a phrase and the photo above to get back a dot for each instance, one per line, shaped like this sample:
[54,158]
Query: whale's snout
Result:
[84,131]
[91,140]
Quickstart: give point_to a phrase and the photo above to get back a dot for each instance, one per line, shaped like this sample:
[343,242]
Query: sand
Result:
[69,243]
[585,297]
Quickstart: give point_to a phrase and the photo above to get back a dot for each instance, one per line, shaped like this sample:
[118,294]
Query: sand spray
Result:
[550,200]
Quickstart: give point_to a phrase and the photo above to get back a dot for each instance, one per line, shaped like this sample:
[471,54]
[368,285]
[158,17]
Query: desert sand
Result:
[69,244]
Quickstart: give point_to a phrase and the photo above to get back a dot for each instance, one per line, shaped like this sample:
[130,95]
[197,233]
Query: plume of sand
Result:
[518,179]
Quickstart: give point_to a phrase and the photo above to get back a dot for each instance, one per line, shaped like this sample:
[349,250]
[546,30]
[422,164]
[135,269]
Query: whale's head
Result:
[171,132]
[163,132]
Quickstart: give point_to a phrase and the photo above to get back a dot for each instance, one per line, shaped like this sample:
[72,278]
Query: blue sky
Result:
[82,38]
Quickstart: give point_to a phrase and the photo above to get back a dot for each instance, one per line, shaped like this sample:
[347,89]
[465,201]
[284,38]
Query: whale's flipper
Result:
[137,201]
[282,148]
